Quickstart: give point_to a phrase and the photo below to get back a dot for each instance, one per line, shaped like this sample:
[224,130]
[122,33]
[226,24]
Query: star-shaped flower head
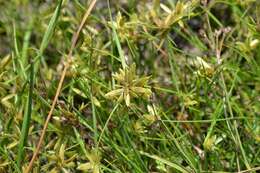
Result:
[129,85]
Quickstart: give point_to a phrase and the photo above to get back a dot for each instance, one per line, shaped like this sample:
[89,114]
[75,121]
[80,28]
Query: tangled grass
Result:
[149,86]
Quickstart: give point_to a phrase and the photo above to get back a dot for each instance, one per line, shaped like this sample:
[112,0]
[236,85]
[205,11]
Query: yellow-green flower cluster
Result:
[129,85]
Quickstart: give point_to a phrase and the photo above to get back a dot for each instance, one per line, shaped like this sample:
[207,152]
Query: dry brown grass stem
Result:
[66,66]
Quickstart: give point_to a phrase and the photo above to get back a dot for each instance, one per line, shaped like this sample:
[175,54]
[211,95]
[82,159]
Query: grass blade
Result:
[171,164]
[48,34]
[26,119]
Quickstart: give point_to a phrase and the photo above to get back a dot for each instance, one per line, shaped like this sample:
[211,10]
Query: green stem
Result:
[26,119]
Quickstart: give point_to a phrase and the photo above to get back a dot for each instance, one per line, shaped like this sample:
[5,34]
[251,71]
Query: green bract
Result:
[129,85]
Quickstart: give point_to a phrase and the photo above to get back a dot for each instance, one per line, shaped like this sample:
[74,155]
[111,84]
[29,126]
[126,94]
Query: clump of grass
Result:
[146,86]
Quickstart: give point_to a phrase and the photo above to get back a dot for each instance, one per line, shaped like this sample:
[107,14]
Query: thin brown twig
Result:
[66,66]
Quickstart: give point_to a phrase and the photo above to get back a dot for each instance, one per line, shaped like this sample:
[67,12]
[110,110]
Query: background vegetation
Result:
[152,86]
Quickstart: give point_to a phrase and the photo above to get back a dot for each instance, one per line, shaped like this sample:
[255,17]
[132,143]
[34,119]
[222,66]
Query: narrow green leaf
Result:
[26,119]
[171,164]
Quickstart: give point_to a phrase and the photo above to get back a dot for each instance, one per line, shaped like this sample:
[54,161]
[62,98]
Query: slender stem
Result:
[73,44]
[26,120]
[105,126]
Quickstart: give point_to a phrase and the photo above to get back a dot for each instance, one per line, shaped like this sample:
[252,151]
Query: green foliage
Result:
[153,86]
